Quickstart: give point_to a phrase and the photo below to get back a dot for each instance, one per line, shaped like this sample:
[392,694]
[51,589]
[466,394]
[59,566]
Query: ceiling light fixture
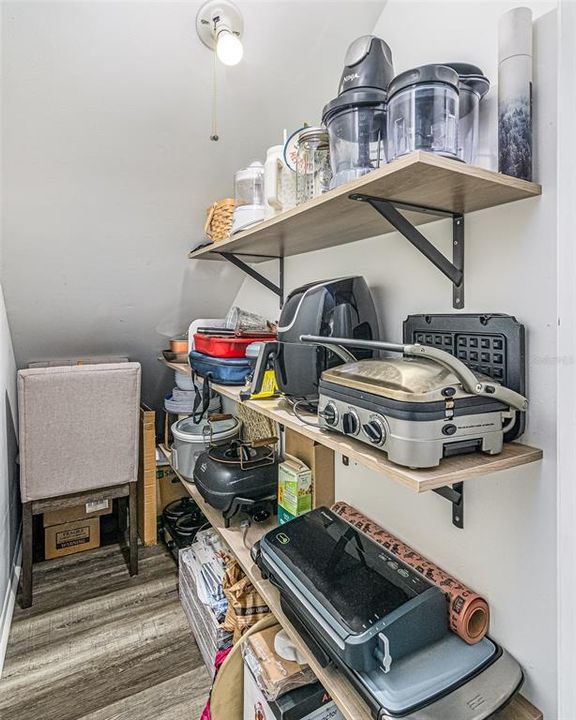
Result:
[219,25]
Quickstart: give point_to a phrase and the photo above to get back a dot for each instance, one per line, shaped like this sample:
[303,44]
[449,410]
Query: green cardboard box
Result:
[294,486]
[284,516]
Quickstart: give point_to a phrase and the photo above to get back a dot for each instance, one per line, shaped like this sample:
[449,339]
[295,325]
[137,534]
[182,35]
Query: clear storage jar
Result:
[423,112]
[313,172]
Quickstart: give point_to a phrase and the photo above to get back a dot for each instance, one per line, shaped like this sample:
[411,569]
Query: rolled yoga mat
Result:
[469,614]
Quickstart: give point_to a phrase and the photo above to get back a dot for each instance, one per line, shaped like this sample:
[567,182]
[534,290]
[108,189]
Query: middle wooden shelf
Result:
[451,470]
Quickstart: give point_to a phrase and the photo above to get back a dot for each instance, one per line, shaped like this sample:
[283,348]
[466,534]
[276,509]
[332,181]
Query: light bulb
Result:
[229,48]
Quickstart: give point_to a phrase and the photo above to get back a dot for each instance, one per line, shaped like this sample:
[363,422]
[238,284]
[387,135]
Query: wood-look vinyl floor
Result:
[99,645]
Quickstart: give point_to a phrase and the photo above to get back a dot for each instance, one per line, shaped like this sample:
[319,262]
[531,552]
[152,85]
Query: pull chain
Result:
[214,136]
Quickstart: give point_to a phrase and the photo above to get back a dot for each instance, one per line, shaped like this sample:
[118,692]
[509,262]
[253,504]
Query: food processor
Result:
[423,111]
[249,196]
[473,87]
[356,119]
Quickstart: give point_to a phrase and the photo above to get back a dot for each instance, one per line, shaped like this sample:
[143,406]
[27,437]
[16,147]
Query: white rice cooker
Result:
[190,439]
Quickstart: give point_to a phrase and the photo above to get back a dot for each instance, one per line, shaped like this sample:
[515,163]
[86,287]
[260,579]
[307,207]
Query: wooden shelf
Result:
[333,219]
[450,470]
[344,695]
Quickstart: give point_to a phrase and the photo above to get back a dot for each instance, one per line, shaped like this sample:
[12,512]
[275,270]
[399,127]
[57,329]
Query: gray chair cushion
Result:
[78,428]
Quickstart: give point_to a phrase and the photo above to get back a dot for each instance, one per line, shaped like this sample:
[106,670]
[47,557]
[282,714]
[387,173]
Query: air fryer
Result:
[333,308]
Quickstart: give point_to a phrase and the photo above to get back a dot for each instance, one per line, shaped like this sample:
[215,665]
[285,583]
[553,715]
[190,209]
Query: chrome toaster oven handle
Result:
[469,381]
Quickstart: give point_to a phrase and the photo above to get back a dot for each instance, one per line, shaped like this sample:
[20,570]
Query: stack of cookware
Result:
[181,521]
[219,353]
[183,400]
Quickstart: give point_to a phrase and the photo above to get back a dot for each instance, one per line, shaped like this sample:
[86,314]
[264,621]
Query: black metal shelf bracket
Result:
[255,275]
[454,271]
[455,495]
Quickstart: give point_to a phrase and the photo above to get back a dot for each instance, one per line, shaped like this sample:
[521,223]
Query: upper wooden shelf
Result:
[352,706]
[450,470]
[333,219]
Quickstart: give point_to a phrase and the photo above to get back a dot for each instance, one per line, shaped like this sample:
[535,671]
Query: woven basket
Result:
[219,220]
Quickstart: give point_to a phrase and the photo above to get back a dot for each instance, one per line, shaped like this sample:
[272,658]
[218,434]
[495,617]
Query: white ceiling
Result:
[108,166]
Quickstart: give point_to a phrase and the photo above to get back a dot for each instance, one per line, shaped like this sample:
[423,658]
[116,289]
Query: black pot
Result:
[177,509]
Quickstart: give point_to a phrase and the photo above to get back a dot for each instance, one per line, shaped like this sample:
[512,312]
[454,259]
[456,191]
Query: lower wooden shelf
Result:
[450,470]
[343,693]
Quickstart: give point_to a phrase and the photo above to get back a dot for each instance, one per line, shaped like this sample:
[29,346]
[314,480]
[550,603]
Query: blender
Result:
[356,119]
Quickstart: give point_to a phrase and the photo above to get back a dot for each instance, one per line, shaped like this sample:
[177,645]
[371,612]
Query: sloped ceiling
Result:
[108,166]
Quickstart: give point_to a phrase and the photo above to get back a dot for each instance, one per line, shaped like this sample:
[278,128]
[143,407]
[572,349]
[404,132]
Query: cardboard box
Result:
[72,537]
[284,516]
[78,512]
[311,702]
[294,486]
[320,460]
[147,484]
[170,488]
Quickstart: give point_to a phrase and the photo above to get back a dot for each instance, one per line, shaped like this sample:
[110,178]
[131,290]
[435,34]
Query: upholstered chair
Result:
[78,428]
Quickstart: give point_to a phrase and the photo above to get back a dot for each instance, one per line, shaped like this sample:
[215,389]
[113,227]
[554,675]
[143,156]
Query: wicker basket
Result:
[219,220]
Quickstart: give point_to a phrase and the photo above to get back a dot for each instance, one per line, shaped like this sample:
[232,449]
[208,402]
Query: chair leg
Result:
[133,504]
[27,550]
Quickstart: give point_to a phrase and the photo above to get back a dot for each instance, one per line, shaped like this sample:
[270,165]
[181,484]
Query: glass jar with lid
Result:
[423,111]
[313,173]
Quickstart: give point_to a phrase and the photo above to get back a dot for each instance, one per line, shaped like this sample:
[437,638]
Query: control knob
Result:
[350,423]
[375,432]
[330,414]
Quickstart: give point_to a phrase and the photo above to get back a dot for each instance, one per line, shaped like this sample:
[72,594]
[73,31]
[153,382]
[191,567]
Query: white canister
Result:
[279,182]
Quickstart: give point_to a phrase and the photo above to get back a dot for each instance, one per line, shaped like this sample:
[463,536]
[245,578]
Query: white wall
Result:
[9,486]
[507,550]
[566,362]
[10,513]
[108,167]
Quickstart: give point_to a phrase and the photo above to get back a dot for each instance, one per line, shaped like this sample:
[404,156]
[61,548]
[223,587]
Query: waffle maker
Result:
[378,620]
[418,409]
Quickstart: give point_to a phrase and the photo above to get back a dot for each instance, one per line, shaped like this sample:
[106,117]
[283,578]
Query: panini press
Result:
[418,409]
[383,624]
